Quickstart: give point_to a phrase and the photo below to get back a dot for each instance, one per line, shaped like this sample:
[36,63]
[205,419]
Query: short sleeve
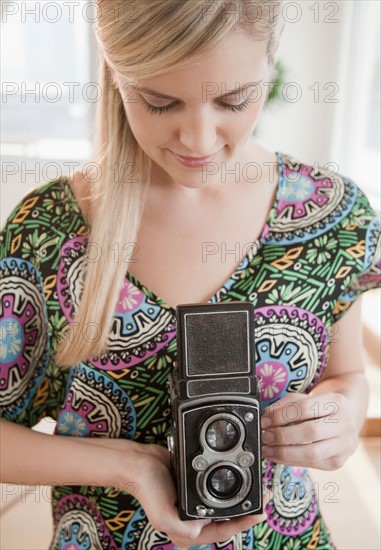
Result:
[25,348]
[359,238]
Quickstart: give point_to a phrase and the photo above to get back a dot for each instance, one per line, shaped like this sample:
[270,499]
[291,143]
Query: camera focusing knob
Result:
[246,459]
[200,463]
[249,417]
[202,511]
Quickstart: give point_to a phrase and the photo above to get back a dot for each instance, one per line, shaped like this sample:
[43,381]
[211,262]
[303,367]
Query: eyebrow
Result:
[164,96]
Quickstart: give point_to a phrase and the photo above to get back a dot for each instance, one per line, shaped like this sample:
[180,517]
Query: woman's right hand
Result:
[156,493]
[144,467]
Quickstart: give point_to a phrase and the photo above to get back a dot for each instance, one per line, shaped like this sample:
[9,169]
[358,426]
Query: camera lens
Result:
[224,482]
[222,435]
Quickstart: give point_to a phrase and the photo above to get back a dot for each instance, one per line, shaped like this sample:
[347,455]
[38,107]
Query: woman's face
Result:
[196,114]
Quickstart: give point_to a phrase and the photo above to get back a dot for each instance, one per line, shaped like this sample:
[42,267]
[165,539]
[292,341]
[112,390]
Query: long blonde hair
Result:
[140,39]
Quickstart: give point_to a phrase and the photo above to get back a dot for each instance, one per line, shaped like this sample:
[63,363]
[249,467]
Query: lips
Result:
[193,161]
[196,158]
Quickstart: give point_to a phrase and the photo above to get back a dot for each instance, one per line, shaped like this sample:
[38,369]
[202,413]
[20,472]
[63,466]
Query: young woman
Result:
[94,265]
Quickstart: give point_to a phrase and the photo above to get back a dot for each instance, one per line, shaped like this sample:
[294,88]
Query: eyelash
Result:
[162,110]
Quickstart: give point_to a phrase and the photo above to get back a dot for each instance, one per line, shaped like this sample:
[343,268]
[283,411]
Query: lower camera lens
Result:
[224,482]
[222,435]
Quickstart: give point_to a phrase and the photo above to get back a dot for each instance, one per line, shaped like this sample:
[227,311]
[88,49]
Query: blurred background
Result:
[326,111]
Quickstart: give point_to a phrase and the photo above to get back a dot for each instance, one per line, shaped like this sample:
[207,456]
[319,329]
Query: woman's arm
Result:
[326,430]
[31,457]
[345,372]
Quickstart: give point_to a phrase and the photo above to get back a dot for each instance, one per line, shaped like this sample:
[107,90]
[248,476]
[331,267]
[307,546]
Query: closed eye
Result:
[161,110]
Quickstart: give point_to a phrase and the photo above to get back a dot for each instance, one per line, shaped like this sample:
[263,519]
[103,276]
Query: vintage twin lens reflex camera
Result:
[215,443]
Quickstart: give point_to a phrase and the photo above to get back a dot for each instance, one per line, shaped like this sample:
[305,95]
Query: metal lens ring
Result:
[224,484]
[222,435]
[222,432]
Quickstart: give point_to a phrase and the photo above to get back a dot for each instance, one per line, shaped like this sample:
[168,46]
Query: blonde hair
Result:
[153,38]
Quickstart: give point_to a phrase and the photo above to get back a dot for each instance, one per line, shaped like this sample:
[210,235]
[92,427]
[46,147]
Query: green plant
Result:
[278,81]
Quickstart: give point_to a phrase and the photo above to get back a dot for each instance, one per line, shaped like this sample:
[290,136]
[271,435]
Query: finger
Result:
[294,408]
[304,432]
[310,454]
[223,531]
[184,530]
[277,413]
[219,531]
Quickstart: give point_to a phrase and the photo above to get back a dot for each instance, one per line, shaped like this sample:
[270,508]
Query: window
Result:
[48,83]
[360,113]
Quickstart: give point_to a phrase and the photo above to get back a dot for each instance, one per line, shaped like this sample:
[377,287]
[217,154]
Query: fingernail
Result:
[267,451]
[268,437]
[265,422]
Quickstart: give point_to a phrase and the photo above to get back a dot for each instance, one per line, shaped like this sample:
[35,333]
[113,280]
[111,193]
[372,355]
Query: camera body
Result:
[215,443]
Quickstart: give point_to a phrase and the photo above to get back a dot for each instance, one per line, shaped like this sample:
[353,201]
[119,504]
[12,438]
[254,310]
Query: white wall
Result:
[312,52]
[317,53]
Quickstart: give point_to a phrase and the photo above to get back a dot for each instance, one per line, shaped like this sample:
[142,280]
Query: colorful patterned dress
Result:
[318,251]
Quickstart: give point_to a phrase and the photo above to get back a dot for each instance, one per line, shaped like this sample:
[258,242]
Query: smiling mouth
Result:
[196,158]
[193,162]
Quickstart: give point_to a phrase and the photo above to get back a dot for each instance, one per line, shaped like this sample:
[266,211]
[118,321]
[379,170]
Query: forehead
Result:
[238,60]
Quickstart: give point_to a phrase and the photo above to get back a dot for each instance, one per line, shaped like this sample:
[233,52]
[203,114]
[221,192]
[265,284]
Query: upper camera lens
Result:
[222,435]
[224,482]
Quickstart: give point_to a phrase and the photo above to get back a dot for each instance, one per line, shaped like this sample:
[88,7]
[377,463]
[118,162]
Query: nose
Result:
[198,132]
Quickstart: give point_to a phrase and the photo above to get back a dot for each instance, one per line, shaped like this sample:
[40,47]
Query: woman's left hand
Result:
[317,431]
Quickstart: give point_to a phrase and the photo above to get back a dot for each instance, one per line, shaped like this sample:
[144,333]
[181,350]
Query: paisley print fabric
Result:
[318,251]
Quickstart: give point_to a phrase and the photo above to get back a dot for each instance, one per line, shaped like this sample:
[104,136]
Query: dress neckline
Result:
[252,252]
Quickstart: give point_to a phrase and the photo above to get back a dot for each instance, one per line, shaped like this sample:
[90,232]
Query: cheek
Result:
[254,110]
[143,125]
[242,123]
